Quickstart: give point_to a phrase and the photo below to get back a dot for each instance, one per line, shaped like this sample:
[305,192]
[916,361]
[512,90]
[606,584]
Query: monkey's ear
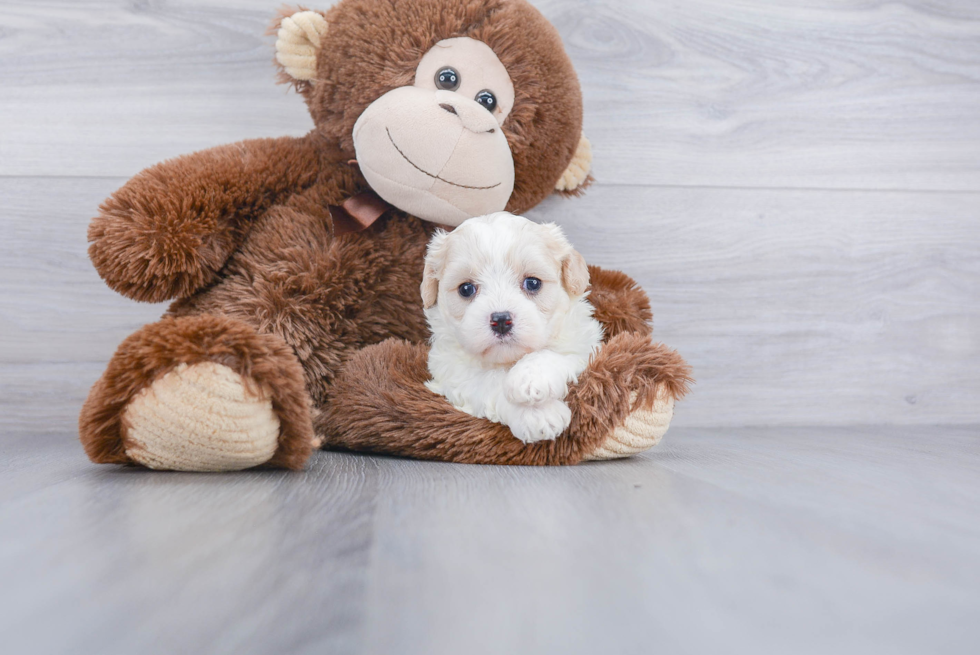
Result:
[435,261]
[576,177]
[298,39]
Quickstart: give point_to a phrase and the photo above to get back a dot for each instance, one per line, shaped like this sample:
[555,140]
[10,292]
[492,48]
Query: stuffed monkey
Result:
[294,264]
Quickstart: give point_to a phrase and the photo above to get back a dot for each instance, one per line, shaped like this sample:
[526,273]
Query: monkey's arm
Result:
[380,404]
[170,228]
[621,404]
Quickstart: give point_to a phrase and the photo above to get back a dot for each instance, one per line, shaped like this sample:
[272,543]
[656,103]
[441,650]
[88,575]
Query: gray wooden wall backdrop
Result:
[796,184]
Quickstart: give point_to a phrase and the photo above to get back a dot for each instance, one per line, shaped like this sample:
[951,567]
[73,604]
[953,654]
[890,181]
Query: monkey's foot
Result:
[201,417]
[641,430]
[199,393]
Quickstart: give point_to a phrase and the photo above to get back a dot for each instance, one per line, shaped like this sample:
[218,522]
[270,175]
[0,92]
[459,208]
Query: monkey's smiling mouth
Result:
[441,179]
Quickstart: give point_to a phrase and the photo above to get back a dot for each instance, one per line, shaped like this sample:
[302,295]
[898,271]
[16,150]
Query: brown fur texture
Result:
[391,36]
[620,305]
[170,229]
[382,406]
[156,349]
[242,238]
[326,296]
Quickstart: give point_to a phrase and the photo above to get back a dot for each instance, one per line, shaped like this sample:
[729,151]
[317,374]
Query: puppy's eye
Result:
[467,289]
[447,78]
[531,284]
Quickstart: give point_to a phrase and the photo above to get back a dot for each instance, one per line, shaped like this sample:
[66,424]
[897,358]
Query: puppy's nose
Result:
[501,322]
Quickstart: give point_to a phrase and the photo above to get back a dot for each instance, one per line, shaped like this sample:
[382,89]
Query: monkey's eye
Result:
[487,99]
[448,79]
[531,284]
[467,289]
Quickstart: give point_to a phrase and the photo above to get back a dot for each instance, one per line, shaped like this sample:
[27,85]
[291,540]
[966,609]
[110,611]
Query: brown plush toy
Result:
[295,263]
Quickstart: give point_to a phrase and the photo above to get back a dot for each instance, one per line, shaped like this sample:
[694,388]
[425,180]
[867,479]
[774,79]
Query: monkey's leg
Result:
[621,404]
[199,393]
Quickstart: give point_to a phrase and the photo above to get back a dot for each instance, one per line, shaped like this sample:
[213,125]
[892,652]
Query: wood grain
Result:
[798,307]
[820,308]
[826,94]
[130,562]
[818,540]
[795,184]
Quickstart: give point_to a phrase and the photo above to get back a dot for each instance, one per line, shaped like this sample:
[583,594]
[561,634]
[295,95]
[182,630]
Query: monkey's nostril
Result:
[491,130]
[449,108]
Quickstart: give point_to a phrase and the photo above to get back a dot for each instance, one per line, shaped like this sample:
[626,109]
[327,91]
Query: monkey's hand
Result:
[170,228]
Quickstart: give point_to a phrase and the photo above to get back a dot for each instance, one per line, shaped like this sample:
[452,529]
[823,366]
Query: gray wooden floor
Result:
[797,186]
[751,540]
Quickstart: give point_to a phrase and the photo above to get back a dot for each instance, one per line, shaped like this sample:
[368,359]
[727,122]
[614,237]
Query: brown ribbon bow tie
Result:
[357,213]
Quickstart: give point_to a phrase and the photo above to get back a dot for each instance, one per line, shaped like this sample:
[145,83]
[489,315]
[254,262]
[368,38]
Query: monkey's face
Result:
[452,109]
[436,148]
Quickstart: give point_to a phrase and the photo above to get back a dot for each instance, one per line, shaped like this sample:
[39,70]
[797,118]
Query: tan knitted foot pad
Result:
[200,418]
[641,431]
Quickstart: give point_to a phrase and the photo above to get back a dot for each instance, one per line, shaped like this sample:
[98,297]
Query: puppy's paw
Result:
[532,381]
[541,422]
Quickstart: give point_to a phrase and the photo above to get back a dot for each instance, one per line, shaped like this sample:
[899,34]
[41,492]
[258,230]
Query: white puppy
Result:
[505,300]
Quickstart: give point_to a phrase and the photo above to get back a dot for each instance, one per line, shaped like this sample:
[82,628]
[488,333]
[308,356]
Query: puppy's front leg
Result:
[531,423]
[540,376]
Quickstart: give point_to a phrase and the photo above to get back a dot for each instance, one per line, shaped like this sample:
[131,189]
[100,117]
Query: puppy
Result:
[511,328]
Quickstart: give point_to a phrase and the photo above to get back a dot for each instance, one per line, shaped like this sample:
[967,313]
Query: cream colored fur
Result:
[641,430]
[520,378]
[437,153]
[298,41]
[579,168]
[200,418]
[416,144]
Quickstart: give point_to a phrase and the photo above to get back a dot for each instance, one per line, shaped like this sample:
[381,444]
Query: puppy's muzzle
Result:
[501,323]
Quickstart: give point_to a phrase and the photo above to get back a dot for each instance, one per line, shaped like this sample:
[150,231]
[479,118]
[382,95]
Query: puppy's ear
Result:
[435,261]
[574,270]
[574,274]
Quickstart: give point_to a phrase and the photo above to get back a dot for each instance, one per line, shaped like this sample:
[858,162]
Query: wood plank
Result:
[797,296]
[53,305]
[752,541]
[816,540]
[802,307]
[826,94]
[819,94]
[132,561]
[105,87]
[59,323]
[794,307]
